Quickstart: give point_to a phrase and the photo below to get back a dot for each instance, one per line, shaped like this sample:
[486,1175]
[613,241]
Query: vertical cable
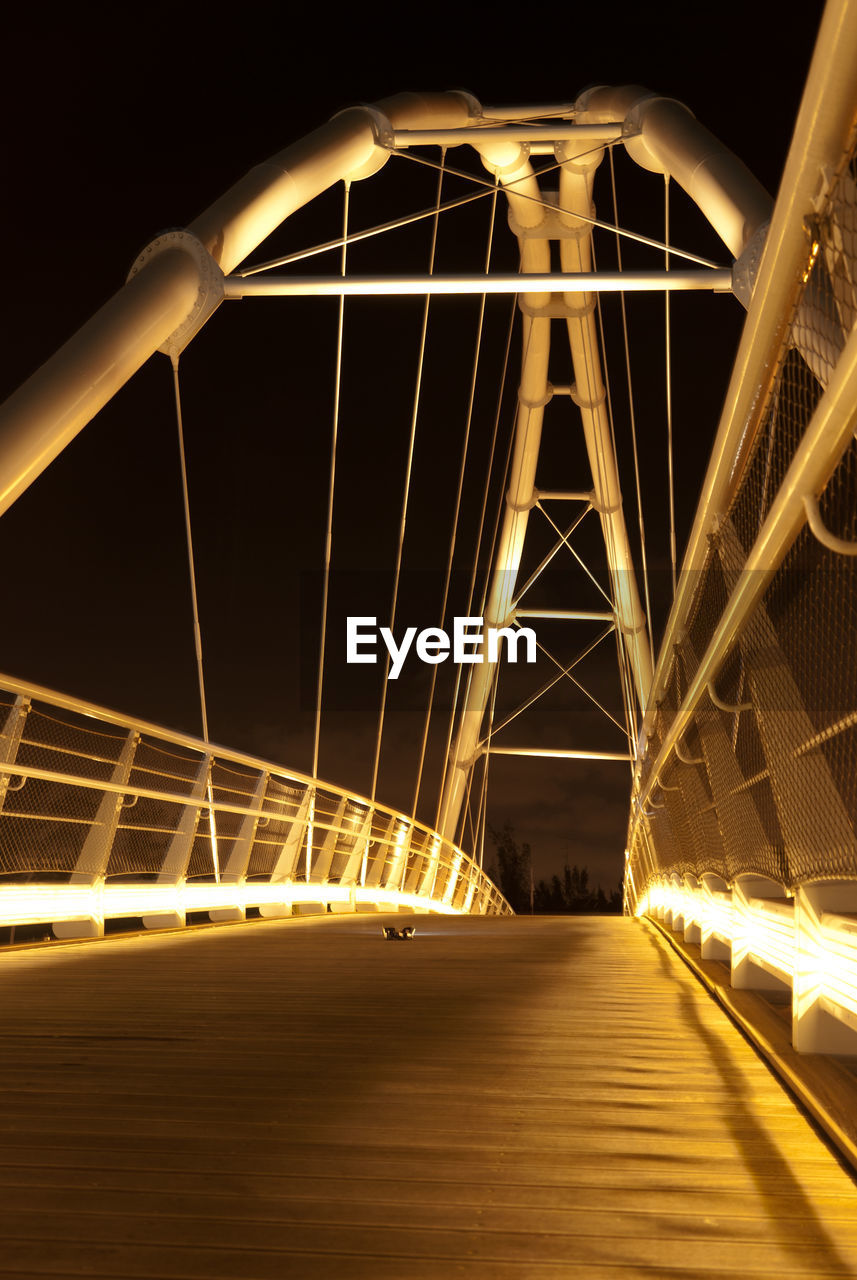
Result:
[482,514]
[589,342]
[197,634]
[408,469]
[669,390]
[328,541]
[631,404]
[457,511]
[482,819]
[625,673]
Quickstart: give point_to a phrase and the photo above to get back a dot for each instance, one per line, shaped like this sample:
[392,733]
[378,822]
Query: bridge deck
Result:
[530,1097]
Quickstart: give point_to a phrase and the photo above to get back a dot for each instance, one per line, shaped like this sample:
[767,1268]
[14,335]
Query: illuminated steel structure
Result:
[181,278]
[107,817]
[743,829]
[720,810]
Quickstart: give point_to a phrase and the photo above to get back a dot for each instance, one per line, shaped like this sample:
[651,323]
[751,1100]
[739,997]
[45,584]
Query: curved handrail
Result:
[271,837]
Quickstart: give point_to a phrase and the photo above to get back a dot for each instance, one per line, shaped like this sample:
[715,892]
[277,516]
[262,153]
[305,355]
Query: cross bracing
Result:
[687,791]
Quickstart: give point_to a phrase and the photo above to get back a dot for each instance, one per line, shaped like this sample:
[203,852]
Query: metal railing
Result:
[103,816]
[744,805]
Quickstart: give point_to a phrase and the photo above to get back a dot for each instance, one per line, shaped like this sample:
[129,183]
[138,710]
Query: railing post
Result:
[175,864]
[747,971]
[712,946]
[285,864]
[815,1029]
[321,867]
[375,871]
[355,858]
[400,856]
[452,879]
[94,857]
[10,740]
[692,925]
[234,870]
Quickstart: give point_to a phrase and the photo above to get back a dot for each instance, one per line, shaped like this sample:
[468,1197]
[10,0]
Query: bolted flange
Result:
[209,294]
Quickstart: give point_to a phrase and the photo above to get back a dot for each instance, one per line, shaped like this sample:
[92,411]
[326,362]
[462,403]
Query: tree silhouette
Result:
[513,874]
[566,895]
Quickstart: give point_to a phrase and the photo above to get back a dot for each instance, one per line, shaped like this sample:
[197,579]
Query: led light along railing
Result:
[280,842]
[772,942]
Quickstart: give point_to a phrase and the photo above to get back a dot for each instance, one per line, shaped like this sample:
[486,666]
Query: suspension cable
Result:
[407,487]
[466,815]
[482,814]
[457,511]
[669,392]
[552,208]
[480,534]
[626,685]
[328,542]
[197,633]
[486,586]
[554,551]
[553,680]
[567,673]
[564,541]
[593,367]
[632,411]
[354,236]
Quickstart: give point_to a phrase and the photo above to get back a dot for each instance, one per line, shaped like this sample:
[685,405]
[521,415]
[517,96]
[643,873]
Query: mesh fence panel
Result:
[777,792]
[144,837]
[156,768]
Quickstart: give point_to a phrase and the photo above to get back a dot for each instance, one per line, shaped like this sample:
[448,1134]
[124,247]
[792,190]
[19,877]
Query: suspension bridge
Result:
[228,1071]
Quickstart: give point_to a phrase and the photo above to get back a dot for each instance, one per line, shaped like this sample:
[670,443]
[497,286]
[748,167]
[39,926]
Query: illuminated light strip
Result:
[718,914]
[765,933]
[53,903]
[817,957]
[718,279]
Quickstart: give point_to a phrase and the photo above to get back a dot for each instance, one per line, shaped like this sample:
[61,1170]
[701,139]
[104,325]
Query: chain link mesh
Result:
[85,800]
[775,792]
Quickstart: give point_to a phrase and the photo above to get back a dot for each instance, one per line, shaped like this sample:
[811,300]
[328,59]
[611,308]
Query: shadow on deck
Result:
[499,1097]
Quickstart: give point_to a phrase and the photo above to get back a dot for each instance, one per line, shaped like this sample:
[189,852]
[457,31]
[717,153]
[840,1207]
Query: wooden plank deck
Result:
[547,1097]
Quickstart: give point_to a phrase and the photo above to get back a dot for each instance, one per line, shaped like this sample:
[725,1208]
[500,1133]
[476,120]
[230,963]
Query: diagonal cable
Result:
[475,567]
[328,542]
[552,208]
[549,684]
[669,393]
[197,633]
[407,488]
[457,512]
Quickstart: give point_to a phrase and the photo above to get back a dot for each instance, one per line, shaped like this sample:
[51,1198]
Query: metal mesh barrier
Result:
[99,805]
[763,779]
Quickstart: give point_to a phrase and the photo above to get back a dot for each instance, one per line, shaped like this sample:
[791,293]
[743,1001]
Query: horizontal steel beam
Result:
[551,131]
[567,615]
[552,754]
[718,279]
[563,495]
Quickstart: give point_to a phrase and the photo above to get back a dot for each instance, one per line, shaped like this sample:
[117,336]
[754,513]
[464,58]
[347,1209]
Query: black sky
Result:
[113,134]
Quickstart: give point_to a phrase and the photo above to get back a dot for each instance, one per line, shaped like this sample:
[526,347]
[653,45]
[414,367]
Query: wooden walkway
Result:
[499,1098]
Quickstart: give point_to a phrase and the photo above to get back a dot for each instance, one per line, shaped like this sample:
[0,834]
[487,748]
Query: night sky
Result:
[112,136]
